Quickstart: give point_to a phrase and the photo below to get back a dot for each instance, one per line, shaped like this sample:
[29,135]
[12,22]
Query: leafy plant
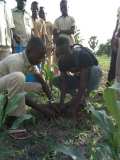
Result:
[9,106]
[77,37]
[20,120]
[109,122]
[49,73]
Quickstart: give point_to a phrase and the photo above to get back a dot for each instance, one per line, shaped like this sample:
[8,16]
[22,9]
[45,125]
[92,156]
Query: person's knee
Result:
[19,78]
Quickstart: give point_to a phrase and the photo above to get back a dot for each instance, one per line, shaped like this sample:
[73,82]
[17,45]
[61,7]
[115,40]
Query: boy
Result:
[79,69]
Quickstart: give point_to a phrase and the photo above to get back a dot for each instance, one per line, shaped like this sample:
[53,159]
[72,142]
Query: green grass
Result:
[104,62]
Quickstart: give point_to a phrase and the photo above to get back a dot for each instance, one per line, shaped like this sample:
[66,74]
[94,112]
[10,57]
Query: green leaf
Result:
[103,152]
[2,102]
[103,120]
[20,120]
[6,152]
[48,73]
[73,152]
[113,106]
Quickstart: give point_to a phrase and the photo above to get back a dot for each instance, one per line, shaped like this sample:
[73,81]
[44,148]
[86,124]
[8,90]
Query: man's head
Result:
[42,13]
[21,4]
[34,6]
[62,46]
[35,50]
[34,9]
[63,8]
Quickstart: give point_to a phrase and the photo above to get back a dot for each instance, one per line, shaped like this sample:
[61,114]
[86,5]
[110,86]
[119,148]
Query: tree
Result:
[93,42]
[104,48]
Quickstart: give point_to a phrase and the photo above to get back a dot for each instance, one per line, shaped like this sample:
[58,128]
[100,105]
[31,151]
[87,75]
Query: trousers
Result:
[15,83]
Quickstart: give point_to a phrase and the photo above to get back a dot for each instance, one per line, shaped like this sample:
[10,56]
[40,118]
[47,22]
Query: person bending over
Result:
[79,72]
[14,68]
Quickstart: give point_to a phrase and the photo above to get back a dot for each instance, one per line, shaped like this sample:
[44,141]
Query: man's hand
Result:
[80,97]
[70,31]
[62,89]
[17,39]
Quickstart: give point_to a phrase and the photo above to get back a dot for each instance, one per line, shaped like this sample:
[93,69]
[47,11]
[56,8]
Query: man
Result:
[80,73]
[39,24]
[23,26]
[114,49]
[14,68]
[49,36]
[65,24]
[6,26]
[34,9]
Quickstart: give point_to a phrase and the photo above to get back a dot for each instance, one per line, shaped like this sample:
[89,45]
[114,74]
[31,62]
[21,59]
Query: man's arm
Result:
[45,87]
[15,36]
[80,97]
[62,88]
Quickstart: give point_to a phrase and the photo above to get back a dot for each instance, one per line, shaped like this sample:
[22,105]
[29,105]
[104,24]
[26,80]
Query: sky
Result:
[93,17]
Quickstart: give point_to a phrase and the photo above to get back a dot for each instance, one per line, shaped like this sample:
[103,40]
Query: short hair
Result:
[34,2]
[63,40]
[37,43]
[63,2]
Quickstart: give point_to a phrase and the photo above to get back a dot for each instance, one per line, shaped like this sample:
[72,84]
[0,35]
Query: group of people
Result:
[28,41]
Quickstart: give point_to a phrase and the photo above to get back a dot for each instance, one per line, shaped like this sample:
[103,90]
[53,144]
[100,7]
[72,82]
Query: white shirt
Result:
[16,63]
[65,23]
[6,23]
[23,25]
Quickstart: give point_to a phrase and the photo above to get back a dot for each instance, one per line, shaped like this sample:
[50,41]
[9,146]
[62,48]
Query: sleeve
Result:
[56,26]
[66,63]
[31,22]
[72,22]
[10,18]
[2,68]
[33,69]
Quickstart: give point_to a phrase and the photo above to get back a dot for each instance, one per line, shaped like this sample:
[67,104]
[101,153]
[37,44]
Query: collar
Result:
[17,10]
[65,15]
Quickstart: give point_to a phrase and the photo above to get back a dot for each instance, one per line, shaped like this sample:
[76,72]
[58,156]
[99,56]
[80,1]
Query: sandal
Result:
[19,134]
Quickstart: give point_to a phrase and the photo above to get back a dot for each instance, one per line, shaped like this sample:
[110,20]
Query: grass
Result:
[62,130]
[104,62]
